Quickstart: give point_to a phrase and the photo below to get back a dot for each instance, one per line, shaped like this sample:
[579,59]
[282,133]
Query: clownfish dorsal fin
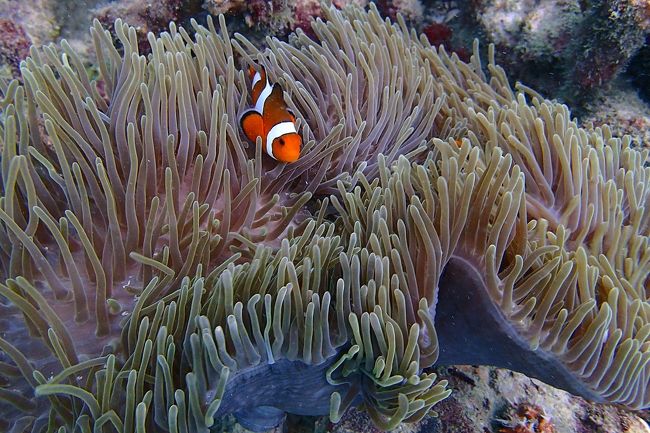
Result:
[251,72]
[276,98]
[276,92]
[293,116]
[252,124]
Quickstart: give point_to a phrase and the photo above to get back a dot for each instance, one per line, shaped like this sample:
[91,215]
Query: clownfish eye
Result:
[282,141]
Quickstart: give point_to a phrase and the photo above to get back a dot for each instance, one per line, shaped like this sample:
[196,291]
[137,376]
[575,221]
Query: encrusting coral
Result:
[160,272]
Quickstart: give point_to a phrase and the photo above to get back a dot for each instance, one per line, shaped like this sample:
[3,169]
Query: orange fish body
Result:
[271,119]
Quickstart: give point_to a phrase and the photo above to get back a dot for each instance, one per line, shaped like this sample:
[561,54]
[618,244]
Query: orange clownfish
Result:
[271,120]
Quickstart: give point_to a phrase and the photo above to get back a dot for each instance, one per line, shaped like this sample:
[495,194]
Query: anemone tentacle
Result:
[159,272]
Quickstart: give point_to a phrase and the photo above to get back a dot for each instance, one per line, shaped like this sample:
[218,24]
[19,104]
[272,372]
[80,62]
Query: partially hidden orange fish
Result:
[271,119]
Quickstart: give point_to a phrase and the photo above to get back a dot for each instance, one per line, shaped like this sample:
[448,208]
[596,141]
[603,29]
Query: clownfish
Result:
[271,119]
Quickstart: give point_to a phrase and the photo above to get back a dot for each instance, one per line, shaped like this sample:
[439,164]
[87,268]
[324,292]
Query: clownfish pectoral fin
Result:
[252,125]
[293,116]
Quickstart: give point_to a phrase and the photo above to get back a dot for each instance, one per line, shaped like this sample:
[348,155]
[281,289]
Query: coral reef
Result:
[411,10]
[441,23]
[73,17]
[21,24]
[525,417]
[488,399]
[277,17]
[638,70]
[14,44]
[612,32]
[147,16]
[534,30]
[159,273]
[624,111]
[482,398]
[582,45]
[36,17]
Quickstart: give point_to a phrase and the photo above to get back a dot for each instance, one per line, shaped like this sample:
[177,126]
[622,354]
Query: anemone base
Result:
[260,396]
[473,331]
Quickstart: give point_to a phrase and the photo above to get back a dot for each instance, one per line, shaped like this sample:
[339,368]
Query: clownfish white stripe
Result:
[259,105]
[256,78]
[277,131]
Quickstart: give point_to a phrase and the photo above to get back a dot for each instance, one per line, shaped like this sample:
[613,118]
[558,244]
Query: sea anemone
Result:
[160,272]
